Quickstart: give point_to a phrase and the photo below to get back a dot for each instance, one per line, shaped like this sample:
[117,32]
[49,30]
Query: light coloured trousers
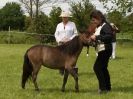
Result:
[113,50]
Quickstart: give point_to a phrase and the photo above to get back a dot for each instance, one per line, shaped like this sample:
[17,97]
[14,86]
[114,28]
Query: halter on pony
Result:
[91,30]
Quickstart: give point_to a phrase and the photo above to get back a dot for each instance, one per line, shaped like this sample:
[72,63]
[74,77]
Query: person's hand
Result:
[65,39]
[93,37]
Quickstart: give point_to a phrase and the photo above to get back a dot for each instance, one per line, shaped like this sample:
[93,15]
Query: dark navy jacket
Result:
[106,36]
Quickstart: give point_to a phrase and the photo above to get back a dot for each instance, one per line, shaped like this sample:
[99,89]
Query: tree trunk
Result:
[31,9]
[37,8]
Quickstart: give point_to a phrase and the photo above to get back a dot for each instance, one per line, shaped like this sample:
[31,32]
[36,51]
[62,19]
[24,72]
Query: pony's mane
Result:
[71,46]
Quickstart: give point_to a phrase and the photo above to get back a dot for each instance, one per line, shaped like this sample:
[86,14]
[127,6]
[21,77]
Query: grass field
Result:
[50,82]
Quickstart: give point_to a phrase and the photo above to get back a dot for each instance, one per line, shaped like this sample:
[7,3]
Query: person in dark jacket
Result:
[115,30]
[103,36]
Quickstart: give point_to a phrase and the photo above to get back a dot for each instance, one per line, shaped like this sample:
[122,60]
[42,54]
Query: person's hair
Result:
[98,15]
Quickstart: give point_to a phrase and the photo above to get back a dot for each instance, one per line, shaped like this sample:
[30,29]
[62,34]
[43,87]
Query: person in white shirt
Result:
[115,30]
[65,31]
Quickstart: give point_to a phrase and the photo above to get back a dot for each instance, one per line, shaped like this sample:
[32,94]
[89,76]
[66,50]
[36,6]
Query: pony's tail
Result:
[27,70]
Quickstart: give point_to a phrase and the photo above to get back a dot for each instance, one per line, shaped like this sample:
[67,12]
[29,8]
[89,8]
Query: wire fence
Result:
[15,37]
[24,37]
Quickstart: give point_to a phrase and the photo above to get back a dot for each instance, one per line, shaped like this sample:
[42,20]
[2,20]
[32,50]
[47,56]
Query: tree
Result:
[123,6]
[43,24]
[1,24]
[118,11]
[130,22]
[127,23]
[81,13]
[12,15]
[54,18]
[39,4]
[28,4]
[115,17]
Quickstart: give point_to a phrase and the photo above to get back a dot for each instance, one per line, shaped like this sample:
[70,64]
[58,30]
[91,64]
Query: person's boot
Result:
[108,88]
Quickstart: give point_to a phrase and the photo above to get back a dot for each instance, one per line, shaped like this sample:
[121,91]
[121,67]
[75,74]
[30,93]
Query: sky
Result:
[3,2]
[64,6]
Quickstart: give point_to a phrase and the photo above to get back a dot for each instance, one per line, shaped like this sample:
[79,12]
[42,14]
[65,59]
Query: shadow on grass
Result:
[86,74]
[118,58]
[55,90]
[125,89]
[51,89]
[128,89]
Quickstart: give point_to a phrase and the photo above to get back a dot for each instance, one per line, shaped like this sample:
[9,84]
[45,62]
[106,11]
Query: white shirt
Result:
[68,31]
[97,32]
[100,47]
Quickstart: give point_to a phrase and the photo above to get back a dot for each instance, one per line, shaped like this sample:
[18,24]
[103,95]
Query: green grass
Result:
[50,82]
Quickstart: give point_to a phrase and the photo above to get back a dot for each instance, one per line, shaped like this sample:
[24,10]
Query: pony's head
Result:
[91,28]
[85,34]
[88,32]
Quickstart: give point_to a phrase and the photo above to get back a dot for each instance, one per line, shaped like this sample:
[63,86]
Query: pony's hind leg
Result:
[34,76]
[65,80]
[75,76]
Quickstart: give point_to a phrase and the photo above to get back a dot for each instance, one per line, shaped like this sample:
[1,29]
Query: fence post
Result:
[9,30]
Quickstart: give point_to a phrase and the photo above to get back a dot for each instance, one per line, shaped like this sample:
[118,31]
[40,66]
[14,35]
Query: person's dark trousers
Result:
[101,71]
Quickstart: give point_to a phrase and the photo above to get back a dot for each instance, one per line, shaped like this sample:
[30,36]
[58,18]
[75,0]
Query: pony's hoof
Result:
[23,87]
[63,90]
[77,90]
[37,89]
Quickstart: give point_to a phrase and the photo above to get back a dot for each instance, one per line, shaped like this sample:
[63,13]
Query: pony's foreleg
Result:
[75,76]
[34,77]
[65,80]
